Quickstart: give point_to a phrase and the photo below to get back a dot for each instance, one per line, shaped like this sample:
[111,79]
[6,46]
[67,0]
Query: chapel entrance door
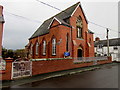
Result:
[79,53]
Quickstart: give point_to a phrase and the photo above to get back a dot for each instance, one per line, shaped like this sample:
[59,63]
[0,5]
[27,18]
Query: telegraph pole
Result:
[107,42]
[1,29]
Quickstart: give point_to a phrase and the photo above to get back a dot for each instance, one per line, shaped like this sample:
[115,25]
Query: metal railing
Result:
[89,59]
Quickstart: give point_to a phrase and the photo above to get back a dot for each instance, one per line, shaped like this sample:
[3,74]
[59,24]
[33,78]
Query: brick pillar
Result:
[8,71]
[110,58]
[1,28]
[6,74]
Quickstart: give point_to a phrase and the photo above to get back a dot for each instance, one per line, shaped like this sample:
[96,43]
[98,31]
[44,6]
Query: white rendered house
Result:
[114,48]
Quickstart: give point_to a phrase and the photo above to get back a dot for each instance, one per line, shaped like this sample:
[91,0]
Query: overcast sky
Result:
[17,30]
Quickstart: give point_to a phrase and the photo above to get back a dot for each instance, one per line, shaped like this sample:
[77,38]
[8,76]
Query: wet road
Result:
[105,77]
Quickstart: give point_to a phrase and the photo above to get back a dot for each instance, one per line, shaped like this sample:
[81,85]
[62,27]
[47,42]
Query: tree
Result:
[15,54]
[20,53]
[7,53]
[10,53]
[4,52]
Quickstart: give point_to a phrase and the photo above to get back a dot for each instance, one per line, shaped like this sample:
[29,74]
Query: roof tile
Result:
[43,29]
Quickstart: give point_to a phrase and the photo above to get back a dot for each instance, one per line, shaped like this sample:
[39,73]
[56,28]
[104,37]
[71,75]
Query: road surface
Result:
[105,77]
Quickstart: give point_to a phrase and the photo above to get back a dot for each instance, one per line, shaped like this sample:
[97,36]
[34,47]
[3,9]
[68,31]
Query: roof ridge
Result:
[61,15]
[62,11]
[112,42]
[110,39]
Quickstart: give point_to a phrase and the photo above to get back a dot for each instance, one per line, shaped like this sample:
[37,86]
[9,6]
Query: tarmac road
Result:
[105,77]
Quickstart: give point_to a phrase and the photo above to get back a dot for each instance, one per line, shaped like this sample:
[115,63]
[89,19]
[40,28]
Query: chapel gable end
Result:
[79,12]
[54,22]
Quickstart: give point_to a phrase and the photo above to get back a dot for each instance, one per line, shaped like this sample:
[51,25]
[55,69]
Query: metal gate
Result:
[21,69]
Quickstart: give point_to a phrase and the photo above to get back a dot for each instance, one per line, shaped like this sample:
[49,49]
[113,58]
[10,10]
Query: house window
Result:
[100,46]
[79,32]
[44,47]
[54,46]
[115,48]
[79,25]
[37,48]
[67,42]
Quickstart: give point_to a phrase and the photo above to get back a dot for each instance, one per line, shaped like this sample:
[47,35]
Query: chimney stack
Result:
[1,10]
[97,39]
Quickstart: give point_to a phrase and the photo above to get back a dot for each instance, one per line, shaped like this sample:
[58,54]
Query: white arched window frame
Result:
[37,48]
[53,46]
[44,47]
[79,27]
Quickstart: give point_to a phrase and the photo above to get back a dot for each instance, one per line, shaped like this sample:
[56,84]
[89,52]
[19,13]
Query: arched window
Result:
[44,47]
[31,49]
[37,48]
[90,41]
[79,25]
[53,46]
[67,42]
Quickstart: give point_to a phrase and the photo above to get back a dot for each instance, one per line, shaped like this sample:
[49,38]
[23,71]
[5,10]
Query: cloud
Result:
[17,30]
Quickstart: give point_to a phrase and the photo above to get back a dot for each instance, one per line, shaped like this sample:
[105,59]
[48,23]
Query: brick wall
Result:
[40,67]
[6,75]
[87,51]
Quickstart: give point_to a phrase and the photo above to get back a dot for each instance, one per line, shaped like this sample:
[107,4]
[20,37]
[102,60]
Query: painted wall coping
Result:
[48,59]
[8,58]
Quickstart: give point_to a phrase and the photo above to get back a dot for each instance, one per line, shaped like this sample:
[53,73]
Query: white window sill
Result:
[37,54]
[53,54]
[80,38]
[44,54]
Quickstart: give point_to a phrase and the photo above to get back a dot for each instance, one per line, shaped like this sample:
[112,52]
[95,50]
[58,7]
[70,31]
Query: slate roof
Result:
[2,19]
[43,29]
[112,42]
[90,31]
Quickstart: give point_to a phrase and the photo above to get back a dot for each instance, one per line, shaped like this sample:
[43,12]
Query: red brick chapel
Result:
[64,34]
